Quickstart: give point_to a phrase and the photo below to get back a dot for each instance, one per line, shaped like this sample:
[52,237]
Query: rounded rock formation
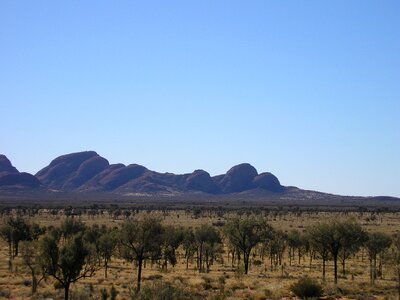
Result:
[201,180]
[63,168]
[5,166]
[268,181]
[239,178]
[19,180]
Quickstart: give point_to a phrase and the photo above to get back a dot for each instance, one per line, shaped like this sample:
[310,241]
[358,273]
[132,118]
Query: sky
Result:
[307,90]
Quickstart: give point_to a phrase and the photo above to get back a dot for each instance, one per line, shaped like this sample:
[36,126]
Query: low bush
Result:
[159,289]
[306,288]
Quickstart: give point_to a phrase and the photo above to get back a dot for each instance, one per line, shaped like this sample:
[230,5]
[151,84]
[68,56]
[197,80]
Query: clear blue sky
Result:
[308,90]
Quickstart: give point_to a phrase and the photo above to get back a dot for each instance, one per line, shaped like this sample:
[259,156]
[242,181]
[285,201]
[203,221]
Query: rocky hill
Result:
[89,172]
[11,177]
[85,175]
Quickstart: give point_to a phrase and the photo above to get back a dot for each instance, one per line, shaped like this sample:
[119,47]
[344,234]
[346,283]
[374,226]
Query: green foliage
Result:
[140,240]
[377,243]
[306,288]
[161,290]
[66,262]
[206,283]
[173,237]
[336,238]
[71,226]
[245,234]
[208,244]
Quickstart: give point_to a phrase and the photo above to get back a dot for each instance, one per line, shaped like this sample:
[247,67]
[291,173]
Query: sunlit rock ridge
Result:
[89,172]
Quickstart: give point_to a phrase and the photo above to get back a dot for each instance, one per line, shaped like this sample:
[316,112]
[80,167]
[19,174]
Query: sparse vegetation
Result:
[254,255]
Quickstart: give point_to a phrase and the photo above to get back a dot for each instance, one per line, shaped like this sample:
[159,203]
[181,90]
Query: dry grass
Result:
[222,282]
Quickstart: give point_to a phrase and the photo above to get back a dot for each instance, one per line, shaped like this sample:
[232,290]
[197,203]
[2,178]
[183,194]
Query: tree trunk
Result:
[139,276]
[344,267]
[16,249]
[371,277]
[270,258]
[66,291]
[10,256]
[34,283]
[335,267]
[197,259]
[201,257]
[299,253]
[246,262]
[323,268]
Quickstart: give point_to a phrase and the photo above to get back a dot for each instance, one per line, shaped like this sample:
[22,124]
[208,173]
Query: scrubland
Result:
[270,274]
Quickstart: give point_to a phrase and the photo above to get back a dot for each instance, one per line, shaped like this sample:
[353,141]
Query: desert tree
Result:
[173,238]
[31,257]
[20,231]
[16,230]
[244,235]
[107,243]
[189,245]
[140,240]
[208,246]
[276,245]
[6,235]
[92,237]
[71,226]
[295,242]
[337,235]
[67,261]
[318,242]
[376,244]
[353,237]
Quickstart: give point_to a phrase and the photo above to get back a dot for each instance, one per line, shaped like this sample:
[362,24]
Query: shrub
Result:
[306,288]
[27,282]
[206,283]
[5,293]
[161,290]
[257,262]
[154,277]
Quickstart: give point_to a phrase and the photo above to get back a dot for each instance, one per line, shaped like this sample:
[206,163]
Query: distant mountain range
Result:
[89,173]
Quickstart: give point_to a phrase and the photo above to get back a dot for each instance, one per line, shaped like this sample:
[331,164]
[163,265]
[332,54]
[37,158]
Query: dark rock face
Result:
[94,184]
[269,182]
[19,180]
[11,177]
[238,179]
[86,171]
[120,176]
[201,181]
[152,182]
[89,172]
[6,166]
[63,168]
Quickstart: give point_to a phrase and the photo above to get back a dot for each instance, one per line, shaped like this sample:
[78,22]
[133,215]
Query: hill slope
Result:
[87,175]
[89,172]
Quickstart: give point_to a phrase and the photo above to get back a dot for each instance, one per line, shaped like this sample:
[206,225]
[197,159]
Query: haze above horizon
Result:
[307,90]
